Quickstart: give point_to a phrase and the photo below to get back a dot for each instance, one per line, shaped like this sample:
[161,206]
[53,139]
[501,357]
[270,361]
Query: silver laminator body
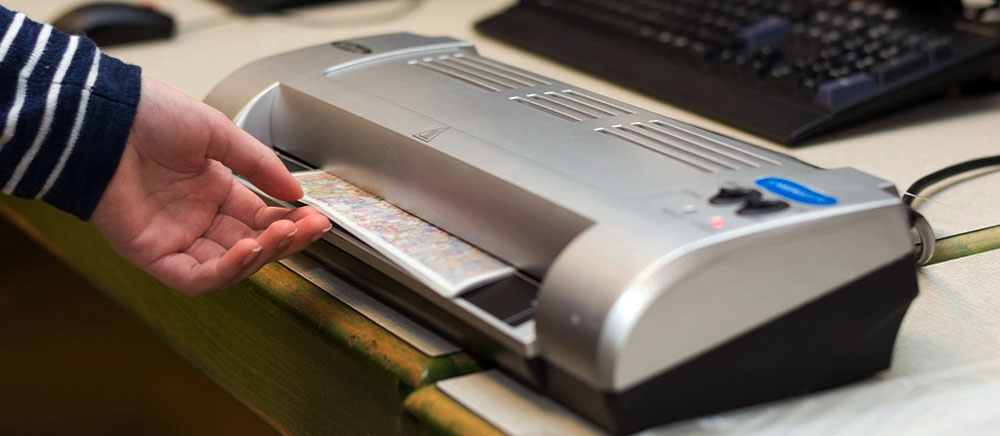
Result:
[665,271]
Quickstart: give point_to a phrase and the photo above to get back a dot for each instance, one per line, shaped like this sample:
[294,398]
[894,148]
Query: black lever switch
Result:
[734,195]
[758,206]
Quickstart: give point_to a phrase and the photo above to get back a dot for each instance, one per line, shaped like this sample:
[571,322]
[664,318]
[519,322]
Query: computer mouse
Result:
[115,23]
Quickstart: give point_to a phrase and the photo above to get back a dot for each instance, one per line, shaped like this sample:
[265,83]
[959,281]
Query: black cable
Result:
[944,173]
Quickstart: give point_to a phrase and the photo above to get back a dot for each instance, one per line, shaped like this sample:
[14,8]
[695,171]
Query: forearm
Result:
[65,114]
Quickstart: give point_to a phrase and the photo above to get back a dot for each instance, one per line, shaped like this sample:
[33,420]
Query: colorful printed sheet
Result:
[445,263]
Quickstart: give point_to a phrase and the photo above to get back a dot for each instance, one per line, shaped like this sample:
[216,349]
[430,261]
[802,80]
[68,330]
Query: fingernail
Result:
[321,234]
[253,255]
[288,239]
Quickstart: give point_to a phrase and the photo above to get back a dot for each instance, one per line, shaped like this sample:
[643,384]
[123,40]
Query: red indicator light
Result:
[716,222]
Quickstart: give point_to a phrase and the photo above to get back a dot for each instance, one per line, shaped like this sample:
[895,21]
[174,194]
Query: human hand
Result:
[174,209]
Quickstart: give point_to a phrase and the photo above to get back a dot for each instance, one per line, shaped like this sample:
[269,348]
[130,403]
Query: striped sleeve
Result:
[65,113]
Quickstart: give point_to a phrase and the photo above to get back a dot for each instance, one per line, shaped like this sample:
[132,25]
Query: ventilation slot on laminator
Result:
[572,105]
[687,146]
[479,72]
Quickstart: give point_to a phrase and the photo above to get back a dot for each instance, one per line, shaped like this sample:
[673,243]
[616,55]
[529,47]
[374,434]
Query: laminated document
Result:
[439,259]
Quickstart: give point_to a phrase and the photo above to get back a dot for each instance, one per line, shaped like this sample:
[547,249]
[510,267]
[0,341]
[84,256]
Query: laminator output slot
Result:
[512,300]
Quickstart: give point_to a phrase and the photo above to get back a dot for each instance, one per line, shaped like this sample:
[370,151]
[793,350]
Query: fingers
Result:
[299,213]
[247,207]
[244,214]
[204,250]
[226,231]
[278,236]
[246,156]
[284,237]
[188,275]
[206,265]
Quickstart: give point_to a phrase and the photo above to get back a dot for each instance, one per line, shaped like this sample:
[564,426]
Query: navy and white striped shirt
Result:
[65,113]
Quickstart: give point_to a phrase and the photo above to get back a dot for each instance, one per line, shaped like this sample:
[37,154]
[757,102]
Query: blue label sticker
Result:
[795,191]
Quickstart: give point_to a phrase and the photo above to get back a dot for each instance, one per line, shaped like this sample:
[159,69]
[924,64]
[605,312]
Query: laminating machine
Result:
[662,271]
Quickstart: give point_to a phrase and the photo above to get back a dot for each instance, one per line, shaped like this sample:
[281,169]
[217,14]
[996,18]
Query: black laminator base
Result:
[842,337]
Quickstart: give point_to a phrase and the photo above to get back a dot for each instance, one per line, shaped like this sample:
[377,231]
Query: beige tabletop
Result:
[954,326]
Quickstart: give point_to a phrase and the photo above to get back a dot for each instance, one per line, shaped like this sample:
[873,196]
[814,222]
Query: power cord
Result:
[931,250]
[922,183]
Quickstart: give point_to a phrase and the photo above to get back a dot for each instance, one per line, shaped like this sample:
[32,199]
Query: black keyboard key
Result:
[850,58]
[681,42]
[820,70]
[938,50]
[856,26]
[784,80]
[702,53]
[832,37]
[807,88]
[899,67]
[759,69]
[873,10]
[855,44]
[795,10]
[836,93]
[734,65]
[889,52]
[866,63]
[831,54]
[822,17]
[896,36]
[841,71]
[872,48]
[838,20]
[769,30]
[890,15]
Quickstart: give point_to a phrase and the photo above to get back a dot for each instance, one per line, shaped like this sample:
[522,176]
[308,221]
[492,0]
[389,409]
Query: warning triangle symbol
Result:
[430,134]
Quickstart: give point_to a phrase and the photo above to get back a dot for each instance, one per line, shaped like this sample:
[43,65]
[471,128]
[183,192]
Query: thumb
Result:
[248,157]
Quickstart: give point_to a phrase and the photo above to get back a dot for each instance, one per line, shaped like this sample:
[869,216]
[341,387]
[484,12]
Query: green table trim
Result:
[304,361]
[436,413]
[966,244]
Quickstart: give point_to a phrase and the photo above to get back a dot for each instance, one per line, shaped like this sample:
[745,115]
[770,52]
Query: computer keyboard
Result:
[785,70]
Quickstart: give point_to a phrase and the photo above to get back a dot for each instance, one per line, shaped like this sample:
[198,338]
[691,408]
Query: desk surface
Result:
[955,324]
[900,147]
